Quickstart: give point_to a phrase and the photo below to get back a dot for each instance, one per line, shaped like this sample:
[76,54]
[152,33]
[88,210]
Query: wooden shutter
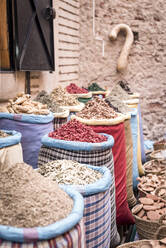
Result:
[4,37]
[34,35]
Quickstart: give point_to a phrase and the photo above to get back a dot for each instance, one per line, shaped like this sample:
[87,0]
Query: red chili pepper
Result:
[74,89]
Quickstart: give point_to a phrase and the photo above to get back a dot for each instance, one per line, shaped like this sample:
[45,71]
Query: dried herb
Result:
[95,87]
[76,131]
[74,89]
[63,98]
[69,172]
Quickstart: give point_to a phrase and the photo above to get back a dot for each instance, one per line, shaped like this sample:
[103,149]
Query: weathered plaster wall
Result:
[146,70]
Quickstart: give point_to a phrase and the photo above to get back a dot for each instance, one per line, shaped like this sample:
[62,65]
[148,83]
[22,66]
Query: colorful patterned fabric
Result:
[75,238]
[97,220]
[94,157]
[57,122]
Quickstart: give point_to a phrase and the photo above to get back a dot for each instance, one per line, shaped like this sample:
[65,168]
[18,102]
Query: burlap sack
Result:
[129,163]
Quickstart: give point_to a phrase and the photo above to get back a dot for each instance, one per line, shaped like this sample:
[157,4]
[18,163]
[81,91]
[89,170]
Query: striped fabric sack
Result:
[97,209]
[57,122]
[85,153]
[75,238]
[66,233]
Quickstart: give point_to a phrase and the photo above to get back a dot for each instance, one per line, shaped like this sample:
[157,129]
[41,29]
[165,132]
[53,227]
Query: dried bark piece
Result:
[153,197]
[145,217]
[149,207]
[153,215]
[146,201]
[141,213]
[137,208]
[147,188]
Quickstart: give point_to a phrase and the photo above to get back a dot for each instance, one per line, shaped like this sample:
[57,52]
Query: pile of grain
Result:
[27,199]
[97,109]
[119,92]
[69,172]
[63,98]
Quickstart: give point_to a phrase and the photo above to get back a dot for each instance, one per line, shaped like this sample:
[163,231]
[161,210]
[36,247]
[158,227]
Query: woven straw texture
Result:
[129,162]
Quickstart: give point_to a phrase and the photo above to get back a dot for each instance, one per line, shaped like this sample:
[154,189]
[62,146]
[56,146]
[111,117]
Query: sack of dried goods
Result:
[93,183]
[127,88]
[36,212]
[121,107]
[75,90]
[143,156]
[149,216]
[66,100]
[158,154]
[160,145]
[32,124]
[97,90]
[10,148]
[75,141]
[60,114]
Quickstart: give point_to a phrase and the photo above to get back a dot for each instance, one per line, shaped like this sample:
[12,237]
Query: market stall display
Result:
[158,154]
[150,212]
[31,126]
[93,183]
[10,148]
[65,100]
[160,145]
[103,119]
[79,146]
[156,167]
[97,90]
[36,211]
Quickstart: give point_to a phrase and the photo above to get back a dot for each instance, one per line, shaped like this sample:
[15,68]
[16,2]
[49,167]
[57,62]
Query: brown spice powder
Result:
[27,199]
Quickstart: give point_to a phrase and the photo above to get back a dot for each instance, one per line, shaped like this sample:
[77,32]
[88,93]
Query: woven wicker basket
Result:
[158,190]
[153,155]
[146,228]
[152,172]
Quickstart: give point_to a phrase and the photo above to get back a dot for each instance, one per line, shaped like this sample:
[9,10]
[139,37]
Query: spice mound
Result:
[74,89]
[76,131]
[69,172]
[97,109]
[119,92]
[117,104]
[22,103]
[4,134]
[28,199]
[95,87]
[45,98]
[63,98]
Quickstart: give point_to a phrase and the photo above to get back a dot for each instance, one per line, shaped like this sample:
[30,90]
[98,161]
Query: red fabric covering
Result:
[123,213]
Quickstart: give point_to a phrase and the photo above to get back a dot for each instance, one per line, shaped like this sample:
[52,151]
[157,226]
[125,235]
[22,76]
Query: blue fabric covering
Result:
[10,140]
[31,137]
[143,157]
[148,144]
[51,231]
[28,118]
[78,146]
[134,130]
[100,185]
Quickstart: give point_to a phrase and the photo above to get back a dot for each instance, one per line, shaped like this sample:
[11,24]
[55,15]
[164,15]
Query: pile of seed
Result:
[27,199]
[4,134]
[117,104]
[45,98]
[150,208]
[150,183]
[95,87]
[155,167]
[97,109]
[118,92]
[22,103]
[76,131]
[74,89]
[69,172]
[63,98]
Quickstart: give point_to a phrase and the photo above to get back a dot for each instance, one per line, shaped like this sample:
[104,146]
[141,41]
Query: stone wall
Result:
[146,72]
